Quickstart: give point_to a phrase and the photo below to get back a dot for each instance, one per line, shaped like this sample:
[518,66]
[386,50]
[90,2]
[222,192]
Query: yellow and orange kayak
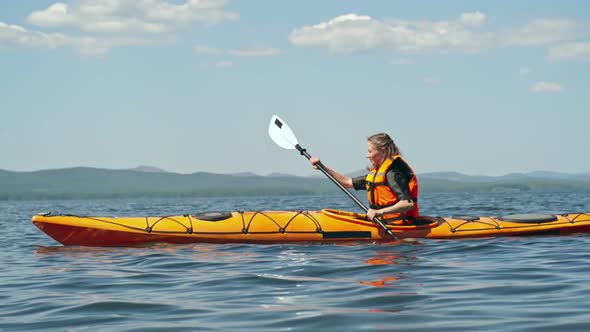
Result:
[291,226]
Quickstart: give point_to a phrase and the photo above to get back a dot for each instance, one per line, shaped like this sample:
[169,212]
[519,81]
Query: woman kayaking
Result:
[391,185]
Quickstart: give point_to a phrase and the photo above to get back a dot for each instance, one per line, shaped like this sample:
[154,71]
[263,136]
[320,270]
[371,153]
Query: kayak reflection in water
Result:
[391,184]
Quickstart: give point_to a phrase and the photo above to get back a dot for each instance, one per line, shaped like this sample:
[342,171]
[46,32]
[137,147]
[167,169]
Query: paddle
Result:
[282,135]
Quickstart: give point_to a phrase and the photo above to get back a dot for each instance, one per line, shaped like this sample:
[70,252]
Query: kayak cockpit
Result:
[422,221]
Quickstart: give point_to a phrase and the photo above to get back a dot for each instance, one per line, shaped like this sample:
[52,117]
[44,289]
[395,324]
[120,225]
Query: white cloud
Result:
[138,16]
[55,15]
[540,32]
[17,36]
[256,51]
[355,33]
[473,19]
[546,87]
[524,71]
[93,27]
[224,64]
[570,52]
[13,36]
[343,34]
[96,26]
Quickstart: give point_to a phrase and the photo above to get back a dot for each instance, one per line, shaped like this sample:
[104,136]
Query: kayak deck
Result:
[290,226]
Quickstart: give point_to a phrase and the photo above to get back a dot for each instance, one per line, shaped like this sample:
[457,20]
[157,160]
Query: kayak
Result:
[292,226]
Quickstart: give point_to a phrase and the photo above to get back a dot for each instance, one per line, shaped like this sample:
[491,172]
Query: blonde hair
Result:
[383,142]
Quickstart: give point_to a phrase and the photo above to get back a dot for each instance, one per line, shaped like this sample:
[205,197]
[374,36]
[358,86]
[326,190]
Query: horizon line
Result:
[154,169]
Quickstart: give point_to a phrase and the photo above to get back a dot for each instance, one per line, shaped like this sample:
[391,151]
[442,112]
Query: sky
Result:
[477,87]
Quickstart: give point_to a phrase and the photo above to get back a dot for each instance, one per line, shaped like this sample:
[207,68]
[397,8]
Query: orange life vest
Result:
[380,194]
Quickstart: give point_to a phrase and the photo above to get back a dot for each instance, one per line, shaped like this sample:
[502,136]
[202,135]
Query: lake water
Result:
[492,284]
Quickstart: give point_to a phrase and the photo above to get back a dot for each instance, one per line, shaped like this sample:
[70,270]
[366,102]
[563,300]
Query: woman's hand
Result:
[314,162]
[372,214]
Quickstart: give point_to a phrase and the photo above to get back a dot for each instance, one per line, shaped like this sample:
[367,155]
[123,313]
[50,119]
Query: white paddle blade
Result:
[281,134]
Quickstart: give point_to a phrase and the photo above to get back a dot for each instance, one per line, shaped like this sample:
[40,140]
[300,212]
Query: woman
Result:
[392,186]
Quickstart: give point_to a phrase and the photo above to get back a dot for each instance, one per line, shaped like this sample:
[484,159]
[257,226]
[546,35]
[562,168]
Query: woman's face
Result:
[375,156]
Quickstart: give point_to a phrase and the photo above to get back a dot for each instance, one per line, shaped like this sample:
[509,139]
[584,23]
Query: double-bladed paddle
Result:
[282,135]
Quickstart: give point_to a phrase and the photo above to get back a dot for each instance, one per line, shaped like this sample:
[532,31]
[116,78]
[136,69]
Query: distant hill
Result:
[148,169]
[84,182]
[276,174]
[533,181]
[145,181]
[457,177]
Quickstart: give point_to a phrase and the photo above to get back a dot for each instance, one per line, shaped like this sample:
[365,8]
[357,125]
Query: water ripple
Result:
[491,284]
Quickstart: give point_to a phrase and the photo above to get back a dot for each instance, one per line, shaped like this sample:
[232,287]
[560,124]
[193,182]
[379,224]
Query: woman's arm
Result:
[344,180]
[399,207]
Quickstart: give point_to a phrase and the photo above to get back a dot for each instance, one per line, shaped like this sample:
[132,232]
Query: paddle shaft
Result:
[356,200]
